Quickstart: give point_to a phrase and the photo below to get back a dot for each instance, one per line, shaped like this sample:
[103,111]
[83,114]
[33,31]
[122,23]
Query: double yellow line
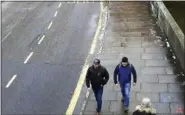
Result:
[81,80]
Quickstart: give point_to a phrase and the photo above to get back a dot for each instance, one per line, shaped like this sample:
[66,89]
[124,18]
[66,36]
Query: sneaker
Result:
[98,113]
[126,111]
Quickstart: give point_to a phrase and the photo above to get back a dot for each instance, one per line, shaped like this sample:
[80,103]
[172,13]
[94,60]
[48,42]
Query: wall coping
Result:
[172,22]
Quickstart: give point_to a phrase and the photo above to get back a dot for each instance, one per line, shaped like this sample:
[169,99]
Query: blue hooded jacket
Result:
[124,74]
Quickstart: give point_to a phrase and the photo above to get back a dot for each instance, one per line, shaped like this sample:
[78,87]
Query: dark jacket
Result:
[97,77]
[144,111]
[124,74]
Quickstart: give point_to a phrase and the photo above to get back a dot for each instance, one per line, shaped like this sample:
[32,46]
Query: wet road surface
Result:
[44,46]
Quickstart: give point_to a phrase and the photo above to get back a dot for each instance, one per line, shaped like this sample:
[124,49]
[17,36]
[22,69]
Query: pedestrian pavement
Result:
[131,31]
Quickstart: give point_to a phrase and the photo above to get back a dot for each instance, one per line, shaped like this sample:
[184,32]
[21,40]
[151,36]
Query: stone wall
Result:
[171,29]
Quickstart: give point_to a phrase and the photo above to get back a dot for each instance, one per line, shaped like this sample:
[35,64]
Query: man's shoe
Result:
[126,111]
[98,113]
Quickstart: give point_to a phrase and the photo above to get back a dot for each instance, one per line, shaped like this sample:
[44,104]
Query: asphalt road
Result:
[44,46]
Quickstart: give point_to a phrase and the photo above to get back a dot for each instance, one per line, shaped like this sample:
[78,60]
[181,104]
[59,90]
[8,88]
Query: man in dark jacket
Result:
[97,76]
[124,71]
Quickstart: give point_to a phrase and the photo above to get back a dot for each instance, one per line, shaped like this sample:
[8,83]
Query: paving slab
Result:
[154,87]
[157,63]
[153,96]
[175,88]
[167,78]
[148,78]
[162,107]
[156,50]
[116,106]
[153,70]
[152,56]
[171,97]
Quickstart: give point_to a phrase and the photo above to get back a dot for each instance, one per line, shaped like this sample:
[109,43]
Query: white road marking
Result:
[6,36]
[41,39]
[59,5]
[9,83]
[50,25]
[29,56]
[56,13]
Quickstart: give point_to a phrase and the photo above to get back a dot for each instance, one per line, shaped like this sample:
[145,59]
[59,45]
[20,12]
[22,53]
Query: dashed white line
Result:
[29,56]
[50,25]
[9,83]
[59,5]
[6,36]
[56,13]
[41,39]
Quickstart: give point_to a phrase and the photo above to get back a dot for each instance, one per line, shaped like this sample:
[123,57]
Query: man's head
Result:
[124,61]
[96,63]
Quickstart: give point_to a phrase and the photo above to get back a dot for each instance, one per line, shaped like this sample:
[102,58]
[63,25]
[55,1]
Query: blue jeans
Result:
[98,92]
[125,90]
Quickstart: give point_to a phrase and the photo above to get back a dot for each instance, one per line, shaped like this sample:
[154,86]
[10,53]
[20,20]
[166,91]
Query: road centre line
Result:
[81,80]
[29,56]
[41,39]
[56,13]
[6,37]
[50,25]
[10,82]
[59,5]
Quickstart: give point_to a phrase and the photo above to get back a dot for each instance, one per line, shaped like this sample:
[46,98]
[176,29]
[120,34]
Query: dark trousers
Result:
[98,92]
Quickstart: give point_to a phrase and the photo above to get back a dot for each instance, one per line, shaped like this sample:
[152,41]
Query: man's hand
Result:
[134,84]
[88,92]
[117,85]
[89,89]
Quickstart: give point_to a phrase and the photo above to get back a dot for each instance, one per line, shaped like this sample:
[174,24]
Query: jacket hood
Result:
[147,110]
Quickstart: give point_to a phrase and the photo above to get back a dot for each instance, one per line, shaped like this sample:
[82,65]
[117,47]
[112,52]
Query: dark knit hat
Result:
[124,59]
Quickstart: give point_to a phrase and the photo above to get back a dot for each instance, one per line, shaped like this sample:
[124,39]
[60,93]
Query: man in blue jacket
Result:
[123,71]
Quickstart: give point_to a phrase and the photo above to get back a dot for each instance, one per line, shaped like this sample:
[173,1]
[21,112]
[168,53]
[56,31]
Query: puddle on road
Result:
[93,24]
